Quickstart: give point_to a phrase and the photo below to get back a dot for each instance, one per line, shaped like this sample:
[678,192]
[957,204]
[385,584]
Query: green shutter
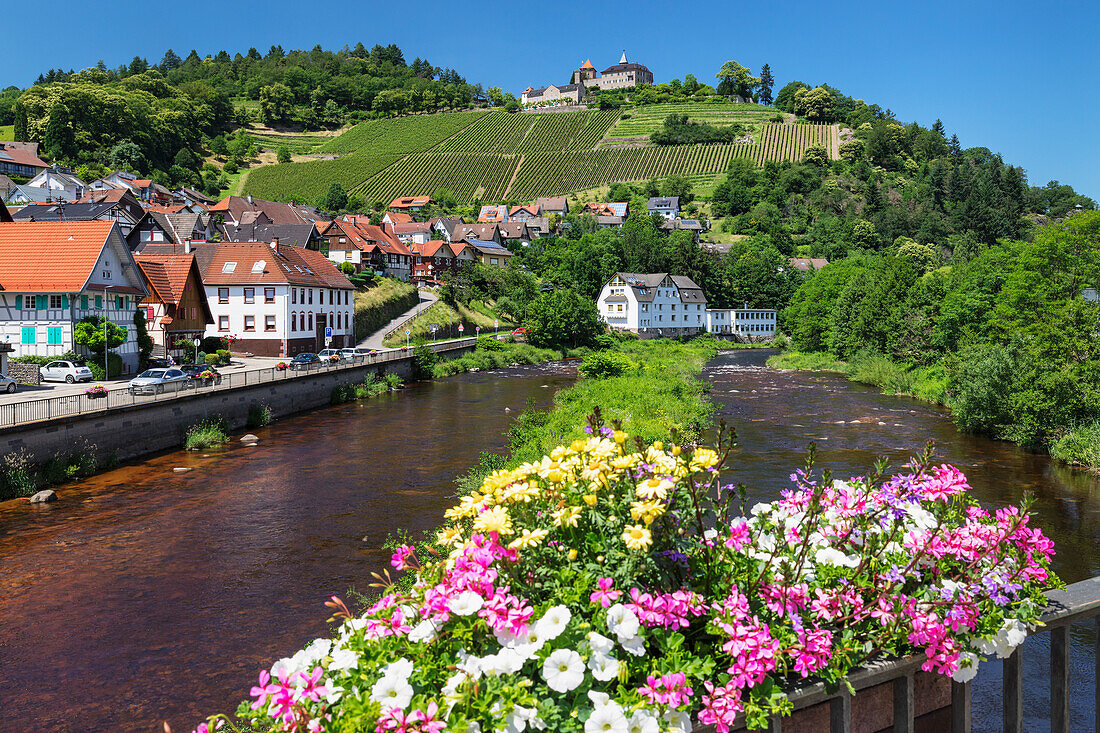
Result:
[64,301]
[53,336]
[83,302]
[99,302]
[28,335]
[41,302]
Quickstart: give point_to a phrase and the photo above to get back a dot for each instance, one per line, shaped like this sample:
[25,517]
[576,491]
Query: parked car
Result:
[156,381]
[521,331]
[327,354]
[361,351]
[7,384]
[158,363]
[304,361]
[192,371]
[66,371]
[350,355]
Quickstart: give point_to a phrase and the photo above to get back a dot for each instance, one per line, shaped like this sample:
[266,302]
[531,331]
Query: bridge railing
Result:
[1078,603]
[27,412]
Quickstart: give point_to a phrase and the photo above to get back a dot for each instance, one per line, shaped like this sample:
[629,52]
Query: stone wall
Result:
[25,373]
[131,432]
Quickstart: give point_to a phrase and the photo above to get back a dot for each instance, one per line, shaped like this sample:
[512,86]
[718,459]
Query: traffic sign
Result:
[460,329]
[328,332]
[408,332]
[198,342]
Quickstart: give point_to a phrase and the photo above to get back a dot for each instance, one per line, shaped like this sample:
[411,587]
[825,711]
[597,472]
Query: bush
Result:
[1080,446]
[225,356]
[206,434]
[114,363]
[488,343]
[605,364]
[424,359]
[372,385]
[606,341]
[259,415]
[211,360]
[211,344]
[18,474]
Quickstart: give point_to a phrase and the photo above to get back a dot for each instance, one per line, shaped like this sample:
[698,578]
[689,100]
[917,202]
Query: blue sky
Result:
[1015,77]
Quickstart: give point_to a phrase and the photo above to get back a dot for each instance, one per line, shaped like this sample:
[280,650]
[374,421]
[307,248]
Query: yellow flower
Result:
[449,536]
[529,538]
[637,537]
[520,492]
[654,488]
[567,516]
[497,480]
[494,520]
[628,460]
[572,555]
[703,458]
[675,450]
[467,506]
[620,437]
[589,499]
[646,511]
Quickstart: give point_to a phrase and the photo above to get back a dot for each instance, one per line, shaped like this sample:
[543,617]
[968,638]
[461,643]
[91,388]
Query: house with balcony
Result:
[176,309]
[53,274]
[367,247]
[653,305]
[20,159]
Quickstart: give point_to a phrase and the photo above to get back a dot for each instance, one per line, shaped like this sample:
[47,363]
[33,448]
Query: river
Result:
[146,595]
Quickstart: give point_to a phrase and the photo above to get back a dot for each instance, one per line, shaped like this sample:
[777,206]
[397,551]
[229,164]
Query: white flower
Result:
[968,668]
[600,644]
[521,717]
[678,721]
[334,694]
[603,667]
[402,668]
[833,556]
[553,622]
[506,661]
[1007,638]
[761,508]
[343,659]
[607,719]
[450,688]
[634,646]
[599,699]
[642,721]
[710,534]
[622,622]
[318,649]
[469,664]
[563,670]
[283,668]
[472,726]
[392,691]
[425,631]
[466,603]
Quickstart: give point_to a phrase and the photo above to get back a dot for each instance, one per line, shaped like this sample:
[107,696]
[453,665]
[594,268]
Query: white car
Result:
[66,371]
[327,354]
[156,381]
[7,384]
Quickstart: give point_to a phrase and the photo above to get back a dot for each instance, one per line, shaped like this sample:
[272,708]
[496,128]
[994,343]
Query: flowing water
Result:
[147,595]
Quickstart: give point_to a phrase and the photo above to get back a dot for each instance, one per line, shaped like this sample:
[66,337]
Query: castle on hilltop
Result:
[622,75]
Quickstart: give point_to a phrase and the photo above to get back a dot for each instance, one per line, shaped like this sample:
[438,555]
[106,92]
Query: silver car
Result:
[7,384]
[66,371]
[156,381]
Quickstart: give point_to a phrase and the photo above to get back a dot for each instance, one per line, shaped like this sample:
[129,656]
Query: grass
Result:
[21,475]
[7,132]
[373,385]
[481,360]
[644,121]
[928,384]
[206,434]
[447,317]
[662,397]
[376,307]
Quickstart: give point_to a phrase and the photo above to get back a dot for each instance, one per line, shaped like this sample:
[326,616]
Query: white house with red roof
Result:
[275,300]
[368,247]
[54,273]
[410,203]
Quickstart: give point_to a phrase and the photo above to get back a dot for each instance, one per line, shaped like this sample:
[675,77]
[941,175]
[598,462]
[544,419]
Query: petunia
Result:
[563,670]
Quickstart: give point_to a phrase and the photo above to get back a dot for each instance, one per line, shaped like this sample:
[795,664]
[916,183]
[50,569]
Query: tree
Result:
[89,332]
[815,104]
[736,80]
[126,155]
[336,199]
[815,155]
[283,154]
[59,139]
[563,318]
[218,146]
[170,61]
[785,99]
[766,82]
[691,84]
[276,103]
[138,66]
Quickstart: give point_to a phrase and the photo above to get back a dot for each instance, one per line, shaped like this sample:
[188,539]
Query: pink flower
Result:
[605,596]
[668,689]
[739,534]
[401,557]
[261,691]
[311,690]
[426,721]
[720,706]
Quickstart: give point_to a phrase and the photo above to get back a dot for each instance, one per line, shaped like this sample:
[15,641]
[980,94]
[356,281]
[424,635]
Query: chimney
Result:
[250,199]
[187,247]
[746,305]
[275,243]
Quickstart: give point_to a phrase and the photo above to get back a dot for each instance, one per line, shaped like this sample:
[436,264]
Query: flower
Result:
[637,537]
[343,659]
[553,622]
[494,520]
[607,719]
[563,670]
[642,721]
[466,603]
[655,488]
[603,667]
[392,691]
[425,631]
[622,622]
[529,538]
[566,516]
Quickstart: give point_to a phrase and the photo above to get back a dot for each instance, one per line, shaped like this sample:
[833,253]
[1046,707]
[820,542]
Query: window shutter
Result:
[41,302]
[64,301]
[99,302]
[84,302]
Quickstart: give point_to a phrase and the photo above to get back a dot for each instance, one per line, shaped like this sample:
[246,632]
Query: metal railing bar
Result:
[1012,669]
[903,704]
[1059,680]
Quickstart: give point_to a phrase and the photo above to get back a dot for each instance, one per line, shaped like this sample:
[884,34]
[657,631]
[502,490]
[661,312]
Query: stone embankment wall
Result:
[132,432]
[25,373]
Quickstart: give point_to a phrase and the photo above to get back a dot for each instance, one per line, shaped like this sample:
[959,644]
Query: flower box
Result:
[281,366]
[96,392]
[619,587]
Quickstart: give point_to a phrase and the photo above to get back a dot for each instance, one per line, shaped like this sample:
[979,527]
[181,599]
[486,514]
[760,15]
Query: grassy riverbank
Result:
[928,384]
[379,305]
[662,394]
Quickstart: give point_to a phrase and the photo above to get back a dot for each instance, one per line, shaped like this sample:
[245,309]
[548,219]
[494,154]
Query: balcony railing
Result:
[1079,602]
[51,408]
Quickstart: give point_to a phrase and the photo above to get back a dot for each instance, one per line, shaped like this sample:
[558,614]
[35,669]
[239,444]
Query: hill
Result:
[491,156]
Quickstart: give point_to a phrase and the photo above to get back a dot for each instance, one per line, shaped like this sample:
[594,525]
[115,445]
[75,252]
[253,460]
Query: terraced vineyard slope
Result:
[644,121]
[306,182]
[401,135]
[501,132]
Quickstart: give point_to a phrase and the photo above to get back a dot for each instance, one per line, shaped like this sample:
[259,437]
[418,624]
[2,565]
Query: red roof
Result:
[532,209]
[411,227]
[259,263]
[409,202]
[20,156]
[167,274]
[142,183]
[50,256]
[278,213]
[399,217]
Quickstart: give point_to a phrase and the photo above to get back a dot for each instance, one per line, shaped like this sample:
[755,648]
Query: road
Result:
[374,341]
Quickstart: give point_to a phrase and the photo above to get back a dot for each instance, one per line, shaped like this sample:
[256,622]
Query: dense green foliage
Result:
[1007,334]
[21,475]
[372,385]
[484,359]
[677,130]
[563,318]
[211,432]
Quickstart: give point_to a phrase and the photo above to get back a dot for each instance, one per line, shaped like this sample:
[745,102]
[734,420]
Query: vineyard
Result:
[308,181]
[789,142]
[500,132]
[643,121]
[400,135]
[468,176]
[303,143]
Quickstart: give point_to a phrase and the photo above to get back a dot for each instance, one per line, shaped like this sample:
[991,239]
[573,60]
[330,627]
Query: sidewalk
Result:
[374,341]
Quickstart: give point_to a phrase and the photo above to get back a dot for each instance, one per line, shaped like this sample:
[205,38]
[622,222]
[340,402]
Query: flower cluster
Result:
[96,391]
[611,588]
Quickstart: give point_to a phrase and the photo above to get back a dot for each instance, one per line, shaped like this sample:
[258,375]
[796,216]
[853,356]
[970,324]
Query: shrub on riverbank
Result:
[259,415]
[606,364]
[21,475]
[506,355]
[923,383]
[210,432]
[371,386]
[1080,446]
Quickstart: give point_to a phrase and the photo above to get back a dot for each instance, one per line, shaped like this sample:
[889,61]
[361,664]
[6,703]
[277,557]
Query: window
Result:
[106,274]
[330,297]
[493,260]
[53,335]
[250,295]
[28,336]
[269,323]
[250,323]
[55,301]
[269,295]
[311,296]
[610,307]
[223,295]
[293,321]
[223,323]
[259,265]
[620,309]
[302,296]
[229,267]
[28,303]
[310,321]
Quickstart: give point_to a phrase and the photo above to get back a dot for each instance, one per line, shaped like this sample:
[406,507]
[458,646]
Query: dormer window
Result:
[259,266]
[229,267]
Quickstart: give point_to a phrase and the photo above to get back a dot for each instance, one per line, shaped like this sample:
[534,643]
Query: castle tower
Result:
[586,73]
[623,59]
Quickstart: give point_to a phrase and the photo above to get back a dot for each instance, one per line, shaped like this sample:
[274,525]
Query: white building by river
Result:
[752,324]
[653,305]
